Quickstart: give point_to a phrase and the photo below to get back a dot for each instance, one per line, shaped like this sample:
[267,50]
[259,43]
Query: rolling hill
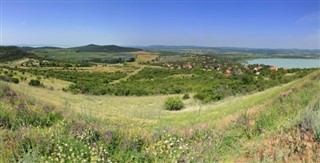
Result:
[8,53]
[104,48]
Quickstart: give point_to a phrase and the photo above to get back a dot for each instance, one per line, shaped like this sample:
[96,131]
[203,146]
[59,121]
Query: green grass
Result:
[142,131]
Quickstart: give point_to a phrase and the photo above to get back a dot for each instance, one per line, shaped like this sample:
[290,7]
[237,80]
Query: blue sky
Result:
[256,24]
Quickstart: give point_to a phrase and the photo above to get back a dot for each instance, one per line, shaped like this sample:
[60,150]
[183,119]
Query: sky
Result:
[229,23]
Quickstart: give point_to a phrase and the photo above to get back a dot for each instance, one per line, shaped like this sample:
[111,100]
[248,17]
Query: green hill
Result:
[104,48]
[29,48]
[8,53]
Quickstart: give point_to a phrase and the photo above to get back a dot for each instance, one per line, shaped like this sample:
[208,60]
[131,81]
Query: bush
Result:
[35,82]
[186,96]
[174,103]
[15,80]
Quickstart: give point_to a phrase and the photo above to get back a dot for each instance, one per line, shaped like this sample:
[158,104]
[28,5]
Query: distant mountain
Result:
[29,48]
[8,53]
[104,48]
[48,47]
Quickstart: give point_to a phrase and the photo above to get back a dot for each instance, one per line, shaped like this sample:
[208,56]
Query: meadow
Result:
[118,112]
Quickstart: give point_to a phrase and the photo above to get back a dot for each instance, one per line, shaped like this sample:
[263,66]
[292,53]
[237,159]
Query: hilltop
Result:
[28,48]
[8,53]
[104,48]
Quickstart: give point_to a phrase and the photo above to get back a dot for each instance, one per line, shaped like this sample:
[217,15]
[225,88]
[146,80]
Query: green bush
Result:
[186,96]
[35,82]
[15,80]
[174,103]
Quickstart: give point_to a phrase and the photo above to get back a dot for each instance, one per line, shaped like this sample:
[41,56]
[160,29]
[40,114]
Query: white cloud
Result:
[310,18]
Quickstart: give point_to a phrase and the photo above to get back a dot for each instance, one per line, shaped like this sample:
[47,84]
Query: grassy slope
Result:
[217,132]
[150,108]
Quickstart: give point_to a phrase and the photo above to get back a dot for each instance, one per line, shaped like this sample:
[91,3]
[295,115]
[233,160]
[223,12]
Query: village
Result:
[220,65]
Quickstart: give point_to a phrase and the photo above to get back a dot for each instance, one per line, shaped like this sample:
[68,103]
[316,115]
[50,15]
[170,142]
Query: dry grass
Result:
[144,56]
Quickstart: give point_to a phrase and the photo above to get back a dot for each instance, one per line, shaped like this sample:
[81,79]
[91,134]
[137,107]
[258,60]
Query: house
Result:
[274,68]
[257,68]
[246,67]
[187,66]
[228,73]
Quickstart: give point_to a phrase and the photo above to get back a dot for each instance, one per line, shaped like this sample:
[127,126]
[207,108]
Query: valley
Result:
[117,112]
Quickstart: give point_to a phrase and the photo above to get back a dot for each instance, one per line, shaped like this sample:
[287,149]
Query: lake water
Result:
[287,63]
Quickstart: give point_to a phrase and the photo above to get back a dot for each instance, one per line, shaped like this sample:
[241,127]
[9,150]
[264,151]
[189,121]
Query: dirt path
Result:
[128,76]
[133,73]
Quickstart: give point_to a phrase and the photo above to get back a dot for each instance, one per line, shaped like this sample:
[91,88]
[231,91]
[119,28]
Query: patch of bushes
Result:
[15,80]
[35,82]
[174,103]
[186,96]
[9,78]
[215,94]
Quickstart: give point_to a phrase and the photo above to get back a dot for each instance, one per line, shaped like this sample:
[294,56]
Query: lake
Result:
[287,62]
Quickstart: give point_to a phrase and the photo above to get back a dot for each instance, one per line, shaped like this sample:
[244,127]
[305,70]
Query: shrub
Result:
[206,96]
[34,82]
[4,78]
[174,103]
[186,96]
[15,80]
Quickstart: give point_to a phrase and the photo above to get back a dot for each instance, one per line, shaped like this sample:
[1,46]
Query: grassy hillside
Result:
[40,124]
[9,53]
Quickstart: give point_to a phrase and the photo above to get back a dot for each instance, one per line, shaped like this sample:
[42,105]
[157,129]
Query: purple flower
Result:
[108,136]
